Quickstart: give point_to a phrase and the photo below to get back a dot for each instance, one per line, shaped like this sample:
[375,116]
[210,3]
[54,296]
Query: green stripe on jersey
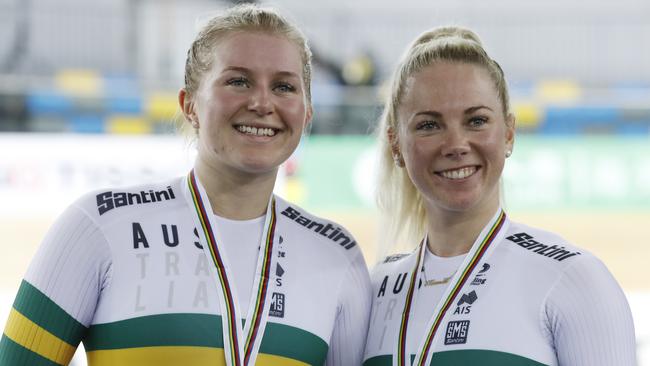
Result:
[38,308]
[384,360]
[200,330]
[481,357]
[467,357]
[12,353]
[295,343]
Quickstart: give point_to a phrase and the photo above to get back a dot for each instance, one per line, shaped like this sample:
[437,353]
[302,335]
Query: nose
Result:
[260,102]
[456,144]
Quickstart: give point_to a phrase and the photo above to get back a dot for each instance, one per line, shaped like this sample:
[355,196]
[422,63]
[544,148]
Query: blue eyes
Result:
[477,121]
[238,82]
[472,123]
[285,88]
[427,125]
[280,87]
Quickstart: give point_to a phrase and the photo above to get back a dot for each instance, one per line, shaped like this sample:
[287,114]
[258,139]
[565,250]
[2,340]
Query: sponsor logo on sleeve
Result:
[326,229]
[107,201]
[527,242]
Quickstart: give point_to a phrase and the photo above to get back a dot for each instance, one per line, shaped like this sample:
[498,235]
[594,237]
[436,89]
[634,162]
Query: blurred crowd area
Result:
[115,66]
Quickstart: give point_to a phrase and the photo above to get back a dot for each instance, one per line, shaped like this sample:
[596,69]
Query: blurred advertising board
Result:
[544,173]
[567,173]
[43,173]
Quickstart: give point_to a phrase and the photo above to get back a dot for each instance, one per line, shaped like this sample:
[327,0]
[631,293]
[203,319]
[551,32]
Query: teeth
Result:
[459,173]
[256,131]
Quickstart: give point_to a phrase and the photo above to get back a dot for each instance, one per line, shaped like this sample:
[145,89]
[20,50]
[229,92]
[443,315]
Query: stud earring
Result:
[508,153]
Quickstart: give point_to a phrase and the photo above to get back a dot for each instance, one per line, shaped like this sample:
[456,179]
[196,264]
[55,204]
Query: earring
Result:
[508,153]
[195,124]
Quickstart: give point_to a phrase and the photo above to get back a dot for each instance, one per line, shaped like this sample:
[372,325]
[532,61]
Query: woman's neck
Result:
[453,233]
[233,194]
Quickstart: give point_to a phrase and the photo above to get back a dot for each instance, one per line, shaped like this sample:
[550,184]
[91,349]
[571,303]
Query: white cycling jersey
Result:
[124,271]
[531,299]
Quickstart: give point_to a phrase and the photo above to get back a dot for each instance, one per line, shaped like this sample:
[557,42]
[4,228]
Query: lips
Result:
[460,173]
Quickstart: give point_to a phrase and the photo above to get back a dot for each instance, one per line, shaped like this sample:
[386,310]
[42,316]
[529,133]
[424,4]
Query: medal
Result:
[239,351]
[476,253]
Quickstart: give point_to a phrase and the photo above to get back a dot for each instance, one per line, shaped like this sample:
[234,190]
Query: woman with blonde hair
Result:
[211,268]
[479,289]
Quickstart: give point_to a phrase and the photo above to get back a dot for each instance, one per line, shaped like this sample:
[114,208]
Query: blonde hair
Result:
[403,214]
[242,18]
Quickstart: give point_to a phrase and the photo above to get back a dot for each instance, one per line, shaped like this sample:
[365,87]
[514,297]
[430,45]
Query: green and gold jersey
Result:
[126,273]
[527,298]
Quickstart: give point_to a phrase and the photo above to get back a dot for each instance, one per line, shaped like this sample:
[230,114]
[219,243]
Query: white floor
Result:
[639,302]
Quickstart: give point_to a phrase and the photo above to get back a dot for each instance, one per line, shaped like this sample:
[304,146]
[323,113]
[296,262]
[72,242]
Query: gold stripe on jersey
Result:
[31,336]
[198,331]
[176,355]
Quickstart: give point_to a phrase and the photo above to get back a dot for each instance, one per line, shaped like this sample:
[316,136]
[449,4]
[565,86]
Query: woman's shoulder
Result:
[540,244]
[392,264]
[111,201]
[299,221]
[549,254]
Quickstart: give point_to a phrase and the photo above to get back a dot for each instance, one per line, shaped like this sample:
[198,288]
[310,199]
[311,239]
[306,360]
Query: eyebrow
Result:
[469,110]
[248,71]
[429,113]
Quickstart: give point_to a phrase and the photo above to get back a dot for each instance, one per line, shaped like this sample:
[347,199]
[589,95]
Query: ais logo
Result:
[457,332]
[464,305]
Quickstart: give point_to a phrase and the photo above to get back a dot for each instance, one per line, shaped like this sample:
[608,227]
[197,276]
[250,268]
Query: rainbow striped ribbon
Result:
[422,355]
[401,353]
[230,323]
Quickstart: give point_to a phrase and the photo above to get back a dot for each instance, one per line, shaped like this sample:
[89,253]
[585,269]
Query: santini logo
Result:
[335,233]
[552,251]
[109,200]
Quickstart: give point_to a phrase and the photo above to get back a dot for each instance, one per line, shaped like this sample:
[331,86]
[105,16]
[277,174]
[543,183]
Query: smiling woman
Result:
[479,289]
[453,138]
[250,109]
[211,268]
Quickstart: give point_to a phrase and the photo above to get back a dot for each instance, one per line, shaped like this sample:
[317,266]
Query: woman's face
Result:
[250,106]
[453,136]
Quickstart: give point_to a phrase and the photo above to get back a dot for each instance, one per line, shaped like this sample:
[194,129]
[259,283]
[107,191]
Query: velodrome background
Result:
[88,96]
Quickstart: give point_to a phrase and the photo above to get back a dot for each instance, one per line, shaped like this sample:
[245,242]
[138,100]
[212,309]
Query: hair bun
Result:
[449,34]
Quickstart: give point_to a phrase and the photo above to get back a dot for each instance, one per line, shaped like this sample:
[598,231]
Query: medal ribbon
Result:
[422,357]
[232,348]
[401,352]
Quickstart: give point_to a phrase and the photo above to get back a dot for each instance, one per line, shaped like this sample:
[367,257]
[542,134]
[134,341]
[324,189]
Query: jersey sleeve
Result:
[349,335]
[589,318]
[57,298]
